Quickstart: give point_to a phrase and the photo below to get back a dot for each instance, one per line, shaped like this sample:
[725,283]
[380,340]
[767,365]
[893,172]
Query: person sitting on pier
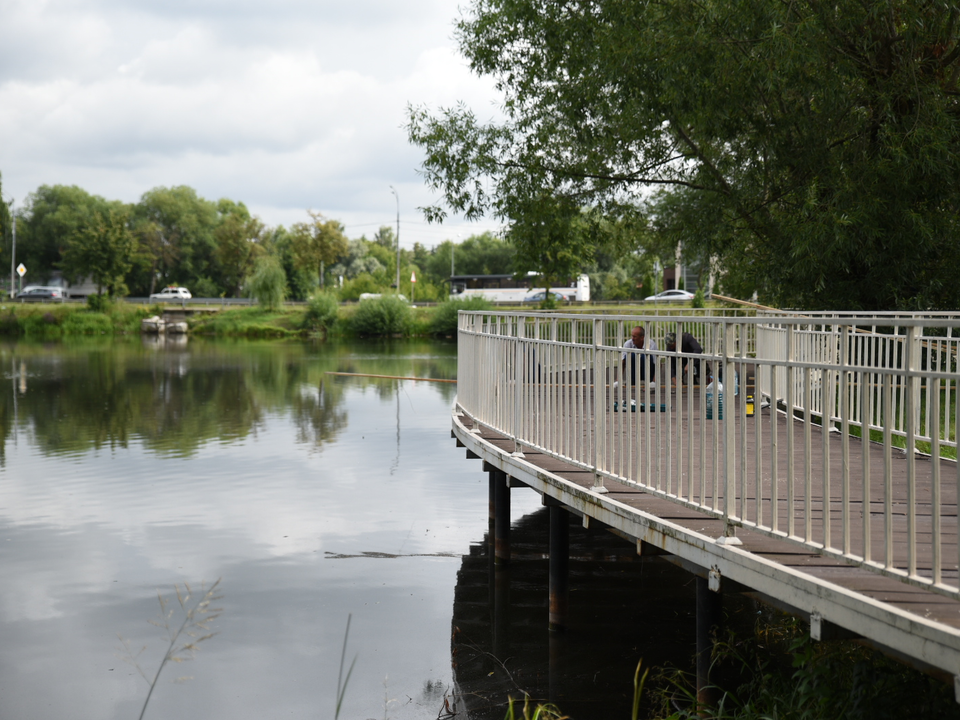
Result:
[638,340]
[688,344]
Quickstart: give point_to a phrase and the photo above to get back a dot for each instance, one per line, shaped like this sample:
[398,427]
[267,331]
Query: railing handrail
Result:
[550,381]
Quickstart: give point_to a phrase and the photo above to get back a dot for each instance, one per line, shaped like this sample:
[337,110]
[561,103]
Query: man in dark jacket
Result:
[688,344]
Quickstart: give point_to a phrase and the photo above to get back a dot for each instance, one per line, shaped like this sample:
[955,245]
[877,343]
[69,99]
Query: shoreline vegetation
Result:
[320,317]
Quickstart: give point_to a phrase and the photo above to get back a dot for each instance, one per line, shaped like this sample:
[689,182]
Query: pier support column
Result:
[501,611]
[502,517]
[492,532]
[709,614]
[559,567]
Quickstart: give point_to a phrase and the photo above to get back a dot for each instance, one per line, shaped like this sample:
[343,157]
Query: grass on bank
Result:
[322,316]
[51,321]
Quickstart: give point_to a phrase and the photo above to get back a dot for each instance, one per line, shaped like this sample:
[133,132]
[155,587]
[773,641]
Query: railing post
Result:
[790,400]
[845,436]
[518,389]
[912,416]
[599,402]
[729,438]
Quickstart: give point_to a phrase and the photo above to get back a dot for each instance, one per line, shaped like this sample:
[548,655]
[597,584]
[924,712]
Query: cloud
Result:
[283,105]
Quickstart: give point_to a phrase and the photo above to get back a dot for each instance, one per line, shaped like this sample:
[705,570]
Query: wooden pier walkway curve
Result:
[787,502]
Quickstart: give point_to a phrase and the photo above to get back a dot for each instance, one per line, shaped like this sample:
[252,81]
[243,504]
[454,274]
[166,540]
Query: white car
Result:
[172,293]
[671,296]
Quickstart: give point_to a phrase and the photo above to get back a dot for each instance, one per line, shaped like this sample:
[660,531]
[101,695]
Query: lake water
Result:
[131,467]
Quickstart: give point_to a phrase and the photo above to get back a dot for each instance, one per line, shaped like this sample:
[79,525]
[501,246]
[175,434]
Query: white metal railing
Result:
[796,467]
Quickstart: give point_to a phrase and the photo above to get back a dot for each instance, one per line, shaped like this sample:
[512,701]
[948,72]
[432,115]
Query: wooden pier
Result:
[875,560]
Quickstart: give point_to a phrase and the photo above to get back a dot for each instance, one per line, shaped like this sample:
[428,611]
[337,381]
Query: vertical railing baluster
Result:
[911,413]
[740,411]
[845,437]
[599,392]
[729,430]
[807,458]
[888,419]
[791,475]
[774,451]
[933,408]
[866,400]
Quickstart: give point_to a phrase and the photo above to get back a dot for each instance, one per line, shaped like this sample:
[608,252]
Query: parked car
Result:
[40,294]
[540,296]
[671,296]
[172,293]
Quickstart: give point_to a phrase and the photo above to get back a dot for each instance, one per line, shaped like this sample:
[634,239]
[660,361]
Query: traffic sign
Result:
[21,268]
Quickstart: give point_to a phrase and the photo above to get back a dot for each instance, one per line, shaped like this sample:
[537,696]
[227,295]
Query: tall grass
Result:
[184,638]
[342,681]
[780,672]
[46,321]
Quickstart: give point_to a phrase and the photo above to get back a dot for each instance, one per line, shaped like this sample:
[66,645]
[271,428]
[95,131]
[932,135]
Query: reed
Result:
[183,638]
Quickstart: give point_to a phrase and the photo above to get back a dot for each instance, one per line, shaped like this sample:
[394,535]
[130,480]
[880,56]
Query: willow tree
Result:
[825,135]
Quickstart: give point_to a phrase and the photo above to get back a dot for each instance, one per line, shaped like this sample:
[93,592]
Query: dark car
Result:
[40,294]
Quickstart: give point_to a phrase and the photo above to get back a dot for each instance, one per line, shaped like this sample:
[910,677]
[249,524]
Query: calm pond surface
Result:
[130,467]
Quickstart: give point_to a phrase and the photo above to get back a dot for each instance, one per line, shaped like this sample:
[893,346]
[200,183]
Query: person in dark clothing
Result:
[647,366]
[688,344]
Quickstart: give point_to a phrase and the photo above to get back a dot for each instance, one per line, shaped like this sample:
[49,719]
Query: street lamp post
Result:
[398,237]
[13,251]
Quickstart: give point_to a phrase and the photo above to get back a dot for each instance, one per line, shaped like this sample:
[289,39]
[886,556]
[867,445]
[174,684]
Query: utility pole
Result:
[398,237]
[13,252]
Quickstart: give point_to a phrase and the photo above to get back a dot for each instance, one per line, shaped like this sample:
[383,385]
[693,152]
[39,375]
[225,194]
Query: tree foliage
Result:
[268,283]
[175,228]
[101,249]
[318,242]
[483,254]
[53,218]
[822,139]
[238,237]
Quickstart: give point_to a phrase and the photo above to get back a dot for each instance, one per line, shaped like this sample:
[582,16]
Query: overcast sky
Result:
[283,105]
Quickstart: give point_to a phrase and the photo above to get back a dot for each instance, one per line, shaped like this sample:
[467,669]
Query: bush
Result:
[444,320]
[387,315]
[363,283]
[698,299]
[268,284]
[99,303]
[321,312]
[204,288]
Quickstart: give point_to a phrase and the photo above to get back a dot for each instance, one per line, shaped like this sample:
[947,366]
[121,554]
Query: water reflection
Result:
[623,608]
[175,399]
[131,467]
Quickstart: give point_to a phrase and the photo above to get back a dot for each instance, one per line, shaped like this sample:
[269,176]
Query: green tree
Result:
[482,254]
[53,217]
[827,134]
[6,229]
[102,249]
[301,282]
[175,229]
[547,239]
[238,237]
[317,243]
